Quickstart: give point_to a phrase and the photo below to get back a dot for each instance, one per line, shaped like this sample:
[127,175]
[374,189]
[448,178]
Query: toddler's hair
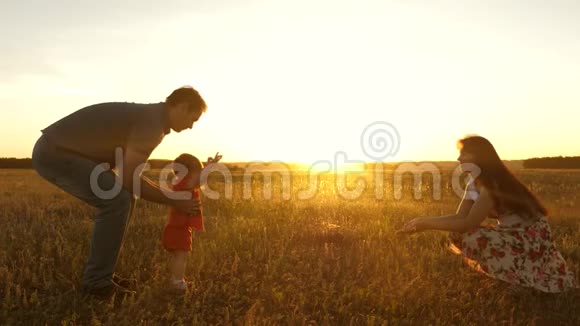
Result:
[192,163]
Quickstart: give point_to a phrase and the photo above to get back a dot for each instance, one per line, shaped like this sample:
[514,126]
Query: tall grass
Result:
[325,260]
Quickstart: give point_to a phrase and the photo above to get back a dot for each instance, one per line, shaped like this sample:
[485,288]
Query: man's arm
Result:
[131,176]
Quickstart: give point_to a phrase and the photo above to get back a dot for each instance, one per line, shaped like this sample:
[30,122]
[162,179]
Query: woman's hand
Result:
[414,225]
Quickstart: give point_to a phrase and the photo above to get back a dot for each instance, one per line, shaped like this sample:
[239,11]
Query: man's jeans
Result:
[72,173]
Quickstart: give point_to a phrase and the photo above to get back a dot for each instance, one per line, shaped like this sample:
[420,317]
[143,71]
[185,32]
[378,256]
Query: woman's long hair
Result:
[508,193]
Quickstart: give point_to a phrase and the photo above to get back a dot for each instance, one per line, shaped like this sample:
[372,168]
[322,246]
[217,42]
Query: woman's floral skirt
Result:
[524,256]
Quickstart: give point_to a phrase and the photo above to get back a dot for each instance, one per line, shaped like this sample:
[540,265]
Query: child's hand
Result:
[214,159]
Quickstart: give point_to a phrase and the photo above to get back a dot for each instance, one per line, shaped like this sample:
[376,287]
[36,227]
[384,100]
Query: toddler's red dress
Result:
[178,230]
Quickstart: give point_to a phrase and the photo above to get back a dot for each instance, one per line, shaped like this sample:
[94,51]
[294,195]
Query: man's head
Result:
[184,107]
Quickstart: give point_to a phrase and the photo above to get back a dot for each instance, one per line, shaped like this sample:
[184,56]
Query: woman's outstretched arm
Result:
[469,216]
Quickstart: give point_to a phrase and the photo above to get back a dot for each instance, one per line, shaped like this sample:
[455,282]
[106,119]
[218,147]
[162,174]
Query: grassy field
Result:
[325,260]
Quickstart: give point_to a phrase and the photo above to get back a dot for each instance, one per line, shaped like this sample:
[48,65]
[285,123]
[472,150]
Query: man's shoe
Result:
[106,292]
[128,283]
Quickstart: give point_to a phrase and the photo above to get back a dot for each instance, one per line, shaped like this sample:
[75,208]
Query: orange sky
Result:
[300,81]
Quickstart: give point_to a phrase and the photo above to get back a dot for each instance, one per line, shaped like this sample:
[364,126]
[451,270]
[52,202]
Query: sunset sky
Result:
[300,80]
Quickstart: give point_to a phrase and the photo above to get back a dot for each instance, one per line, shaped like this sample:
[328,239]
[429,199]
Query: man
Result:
[71,152]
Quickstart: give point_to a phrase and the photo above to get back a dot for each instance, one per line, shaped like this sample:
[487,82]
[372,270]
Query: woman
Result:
[519,249]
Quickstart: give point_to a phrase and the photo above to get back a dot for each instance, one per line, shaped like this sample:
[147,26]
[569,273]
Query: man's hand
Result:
[188,206]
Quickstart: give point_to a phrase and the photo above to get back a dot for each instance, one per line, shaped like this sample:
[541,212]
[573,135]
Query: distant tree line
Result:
[157,164]
[15,163]
[559,162]
[26,163]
